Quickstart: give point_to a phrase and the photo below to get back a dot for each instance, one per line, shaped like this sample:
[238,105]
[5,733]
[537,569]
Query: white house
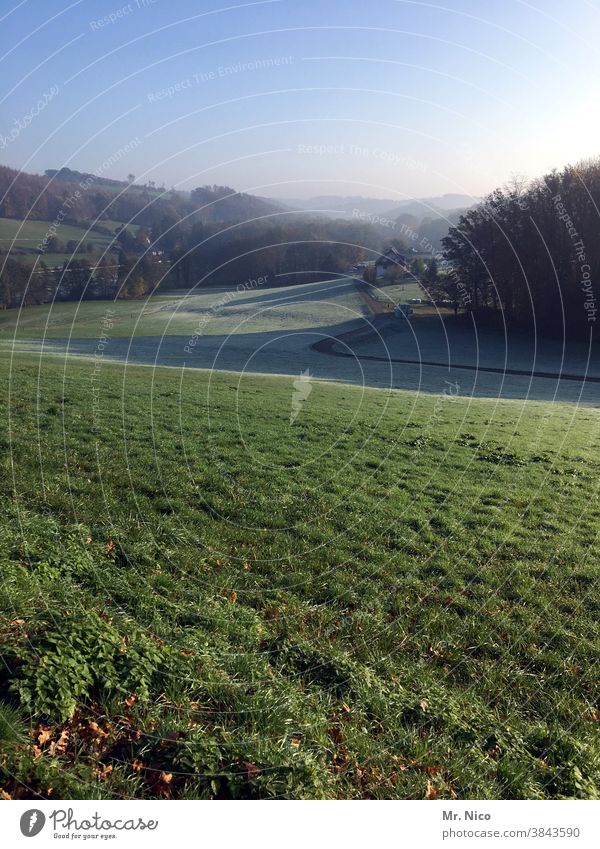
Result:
[391,258]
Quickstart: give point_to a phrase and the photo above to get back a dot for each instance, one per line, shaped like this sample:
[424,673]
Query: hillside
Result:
[80,197]
[387,599]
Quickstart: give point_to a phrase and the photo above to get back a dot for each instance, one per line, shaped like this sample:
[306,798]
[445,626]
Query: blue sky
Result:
[291,99]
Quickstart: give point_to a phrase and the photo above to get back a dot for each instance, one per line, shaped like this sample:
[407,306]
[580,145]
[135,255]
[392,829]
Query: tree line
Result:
[287,249]
[108,278]
[212,235]
[529,255]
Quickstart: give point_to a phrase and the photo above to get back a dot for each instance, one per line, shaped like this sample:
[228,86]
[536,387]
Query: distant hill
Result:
[433,207]
[336,206]
[66,175]
[77,197]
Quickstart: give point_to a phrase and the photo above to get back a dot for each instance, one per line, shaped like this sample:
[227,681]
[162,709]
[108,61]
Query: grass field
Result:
[27,234]
[220,310]
[17,235]
[111,224]
[271,331]
[396,596]
[398,292]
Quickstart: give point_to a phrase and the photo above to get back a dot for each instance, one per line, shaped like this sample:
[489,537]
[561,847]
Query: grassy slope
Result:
[180,313]
[396,597]
[84,319]
[27,234]
[18,235]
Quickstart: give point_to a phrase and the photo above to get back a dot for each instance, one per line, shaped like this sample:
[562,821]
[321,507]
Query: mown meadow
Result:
[396,596]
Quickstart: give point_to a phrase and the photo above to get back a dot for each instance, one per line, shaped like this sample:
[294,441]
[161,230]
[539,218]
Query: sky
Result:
[296,98]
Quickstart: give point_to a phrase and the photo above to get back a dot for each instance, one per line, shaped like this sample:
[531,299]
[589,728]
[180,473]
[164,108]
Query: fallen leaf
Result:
[233,598]
[431,792]
[59,746]
[98,734]
[249,770]
[594,715]
[137,765]
[130,700]
[166,777]
[103,771]
[336,735]
[44,735]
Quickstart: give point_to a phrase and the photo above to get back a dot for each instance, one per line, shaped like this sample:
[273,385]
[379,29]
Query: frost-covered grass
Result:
[217,311]
[394,597]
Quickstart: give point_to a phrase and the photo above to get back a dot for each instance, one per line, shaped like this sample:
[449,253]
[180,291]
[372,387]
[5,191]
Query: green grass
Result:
[111,224]
[396,597]
[399,292]
[57,260]
[19,236]
[28,234]
[179,314]
[84,319]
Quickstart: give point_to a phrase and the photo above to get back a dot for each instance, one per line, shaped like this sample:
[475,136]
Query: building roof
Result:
[391,257]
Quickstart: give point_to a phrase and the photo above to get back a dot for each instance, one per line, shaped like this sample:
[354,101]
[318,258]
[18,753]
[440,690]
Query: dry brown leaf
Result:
[131,700]
[166,777]
[249,770]
[103,771]
[58,747]
[137,765]
[44,735]
[233,597]
[594,715]
[98,734]
[431,791]
[336,735]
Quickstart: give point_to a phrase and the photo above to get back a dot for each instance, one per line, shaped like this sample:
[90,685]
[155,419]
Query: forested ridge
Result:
[211,235]
[528,256]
